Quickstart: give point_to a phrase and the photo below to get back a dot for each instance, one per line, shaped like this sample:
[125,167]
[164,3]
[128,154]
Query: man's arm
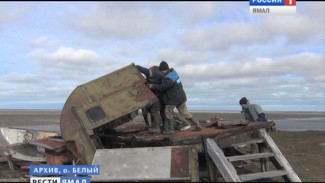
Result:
[143,70]
[165,85]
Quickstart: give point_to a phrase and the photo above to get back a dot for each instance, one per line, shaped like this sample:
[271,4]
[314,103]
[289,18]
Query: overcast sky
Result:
[220,51]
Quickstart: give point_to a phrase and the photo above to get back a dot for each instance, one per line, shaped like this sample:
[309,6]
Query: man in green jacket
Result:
[252,112]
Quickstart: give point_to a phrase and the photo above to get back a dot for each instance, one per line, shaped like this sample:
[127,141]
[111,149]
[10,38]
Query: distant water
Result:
[301,124]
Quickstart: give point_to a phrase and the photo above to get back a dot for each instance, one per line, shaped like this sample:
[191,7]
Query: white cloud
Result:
[265,31]
[177,57]
[297,28]
[302,64]
[313,10]
[190,16]
[43,42]
[305,64]
[220,54]
[31,86]
[291,80]
[222,36]
[68,62]
[24,79]
[8,13]
[110,21]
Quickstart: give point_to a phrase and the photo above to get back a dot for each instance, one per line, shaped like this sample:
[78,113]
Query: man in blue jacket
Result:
[173,95]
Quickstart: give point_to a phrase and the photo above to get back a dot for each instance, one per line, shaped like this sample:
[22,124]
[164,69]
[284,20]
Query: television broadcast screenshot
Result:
[162,91]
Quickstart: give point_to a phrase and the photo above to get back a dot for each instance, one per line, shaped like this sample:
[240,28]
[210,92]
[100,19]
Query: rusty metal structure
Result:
[100,105]
[96,128]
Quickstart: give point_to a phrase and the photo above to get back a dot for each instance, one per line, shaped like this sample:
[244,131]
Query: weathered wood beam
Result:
[249,156]
[279,156]
[262,175]
[226,169]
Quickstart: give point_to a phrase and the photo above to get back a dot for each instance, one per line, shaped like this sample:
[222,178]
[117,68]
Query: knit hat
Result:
[163,66]
[243,101]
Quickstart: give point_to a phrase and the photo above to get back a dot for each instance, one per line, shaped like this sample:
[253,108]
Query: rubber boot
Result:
[145,117]
[171,123]
[198,126]
[155,123]
[165,127]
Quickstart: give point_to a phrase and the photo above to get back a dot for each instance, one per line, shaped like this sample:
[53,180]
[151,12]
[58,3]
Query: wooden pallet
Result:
[226,168]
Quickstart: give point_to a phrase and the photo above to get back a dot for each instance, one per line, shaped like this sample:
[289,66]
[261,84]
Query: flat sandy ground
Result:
[51,117]
[305,150]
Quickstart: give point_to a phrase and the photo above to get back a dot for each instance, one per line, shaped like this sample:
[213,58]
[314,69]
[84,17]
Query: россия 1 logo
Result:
[274,7]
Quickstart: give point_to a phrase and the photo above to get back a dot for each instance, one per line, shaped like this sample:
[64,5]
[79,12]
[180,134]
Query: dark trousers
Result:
[153,109]
[261,117]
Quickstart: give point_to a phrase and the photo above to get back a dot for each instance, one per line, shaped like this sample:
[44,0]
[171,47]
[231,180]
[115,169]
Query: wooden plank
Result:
[279,156]
[244,143]
[211,166]
[194,165]
[249,156]
[226,169]
[261,175]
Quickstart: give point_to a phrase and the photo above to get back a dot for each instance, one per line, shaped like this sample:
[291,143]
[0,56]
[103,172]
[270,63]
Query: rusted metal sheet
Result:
[134,134]
[58,158]
[10,136]
[105,102]
[180,162]
[25,152]
[115,106]
[54,144]
[18,144]
[143,164]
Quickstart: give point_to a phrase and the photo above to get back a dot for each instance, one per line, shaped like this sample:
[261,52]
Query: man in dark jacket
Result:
[173,95]
[154,76]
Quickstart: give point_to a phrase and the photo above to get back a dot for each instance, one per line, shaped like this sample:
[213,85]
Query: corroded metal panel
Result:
[148,163]
[100,102]
[115,106]
[50,143]
[180,162]
[135,134]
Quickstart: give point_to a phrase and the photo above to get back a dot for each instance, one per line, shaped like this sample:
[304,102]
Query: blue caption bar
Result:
[266,2]
[64,170]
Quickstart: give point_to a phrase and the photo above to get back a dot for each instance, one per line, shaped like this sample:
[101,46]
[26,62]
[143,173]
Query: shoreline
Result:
[30,117]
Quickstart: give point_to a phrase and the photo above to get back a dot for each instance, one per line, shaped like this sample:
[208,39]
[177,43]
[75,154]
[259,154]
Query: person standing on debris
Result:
[154,76]
[252,112]
[144,111]
[173,95]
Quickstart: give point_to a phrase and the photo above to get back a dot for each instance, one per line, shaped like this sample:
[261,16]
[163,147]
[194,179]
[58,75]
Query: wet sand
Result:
[305,150]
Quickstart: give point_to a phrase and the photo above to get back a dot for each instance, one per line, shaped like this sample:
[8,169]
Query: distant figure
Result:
[252,112]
